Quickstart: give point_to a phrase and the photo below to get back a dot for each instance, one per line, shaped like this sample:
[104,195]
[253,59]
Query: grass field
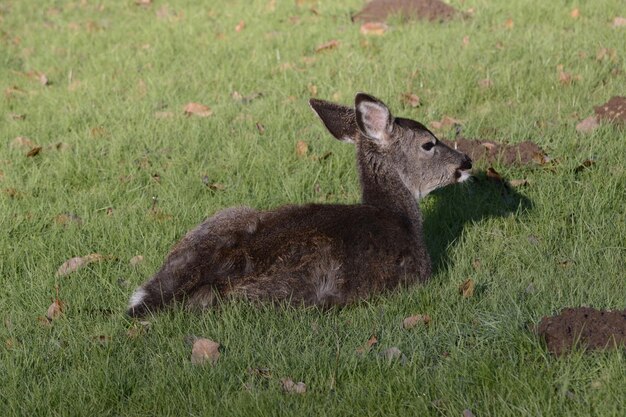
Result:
[132,174]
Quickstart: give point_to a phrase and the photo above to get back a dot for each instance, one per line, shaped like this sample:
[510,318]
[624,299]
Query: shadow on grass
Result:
[455,207]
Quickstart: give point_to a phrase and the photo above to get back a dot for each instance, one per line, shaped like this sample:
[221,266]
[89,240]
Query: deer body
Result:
[324,255]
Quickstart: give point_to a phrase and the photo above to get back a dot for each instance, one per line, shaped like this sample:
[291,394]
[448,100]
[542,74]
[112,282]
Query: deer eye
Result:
[428,146]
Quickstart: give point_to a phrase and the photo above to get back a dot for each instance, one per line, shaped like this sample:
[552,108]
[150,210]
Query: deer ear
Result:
[339,120]
[373,117]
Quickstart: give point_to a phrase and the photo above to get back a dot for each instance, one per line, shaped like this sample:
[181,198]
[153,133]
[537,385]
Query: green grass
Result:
[112,67]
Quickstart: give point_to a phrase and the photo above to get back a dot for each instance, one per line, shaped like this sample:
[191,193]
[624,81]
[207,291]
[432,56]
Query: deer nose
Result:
[466,164]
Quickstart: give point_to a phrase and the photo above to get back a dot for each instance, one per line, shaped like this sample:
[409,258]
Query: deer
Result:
[323,255]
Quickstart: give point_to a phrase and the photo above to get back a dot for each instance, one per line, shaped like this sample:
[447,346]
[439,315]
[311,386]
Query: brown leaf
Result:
[486,83]
[260,128]
[216,186]
[466,40]
[101,339]
[78,262]
[301,148]
[565,263]
[391,353]
[374,28]
[13,91]
[619,22]
[467,288]
[44,321]
[144,3]
[445,123]
[584,165]
[240,26]
[17,116]
[468,413]
[138,329]
[411,99]
[312,90]
[518,183]
[291,387]
[136,260]
[588,125]
[197,109]
[205,350]
[367,346]
[54,310]
[566,78]
[575,13]
[34,151]
[476,264]
[494,176]
[98,132]
[508,23]
[606,54]
[23,142]
[326,46]
[412,321]
[65,219]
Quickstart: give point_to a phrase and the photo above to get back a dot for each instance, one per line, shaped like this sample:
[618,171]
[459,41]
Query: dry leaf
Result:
[143,2]
[476,264]
[619,22]
[392,353]
[17,116]
[575,14]
[508,23]
[486,83]
[493,175]
[518,183]
[54,310]
[446,122]
[301,148]
[216,186]
[467,288]
[411,99]
[312,90]
[240,26]
[367,346]
[197,109]
[44,321]
[78,262]
[65,219]
[468,413]
[136,260]
[584,165]
[260,128]
[374,28]
[291,387]
[34,151]
[138,328]
[566,78]
[588,125]
[412,321]
[327,45]
[606,53]
[205,350]
[466,40]
[23,142]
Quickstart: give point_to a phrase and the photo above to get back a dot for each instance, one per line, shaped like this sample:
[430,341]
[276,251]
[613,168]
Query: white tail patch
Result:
[137,298]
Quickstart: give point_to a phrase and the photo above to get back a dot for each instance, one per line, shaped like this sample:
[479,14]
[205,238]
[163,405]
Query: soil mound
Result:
[380,10]
[524,153]
[583,327]
[613,111]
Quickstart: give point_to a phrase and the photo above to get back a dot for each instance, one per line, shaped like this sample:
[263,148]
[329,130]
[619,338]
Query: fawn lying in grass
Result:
[324,255]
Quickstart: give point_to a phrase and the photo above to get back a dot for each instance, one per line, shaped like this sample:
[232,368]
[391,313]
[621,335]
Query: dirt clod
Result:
[613,111]
[584,327]
[524,153]
[380,10]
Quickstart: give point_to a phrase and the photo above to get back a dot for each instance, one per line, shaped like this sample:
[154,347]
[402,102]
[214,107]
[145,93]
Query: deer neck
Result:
[382,187]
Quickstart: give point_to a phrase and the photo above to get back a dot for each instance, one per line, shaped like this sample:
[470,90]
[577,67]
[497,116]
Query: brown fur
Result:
[320,255]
